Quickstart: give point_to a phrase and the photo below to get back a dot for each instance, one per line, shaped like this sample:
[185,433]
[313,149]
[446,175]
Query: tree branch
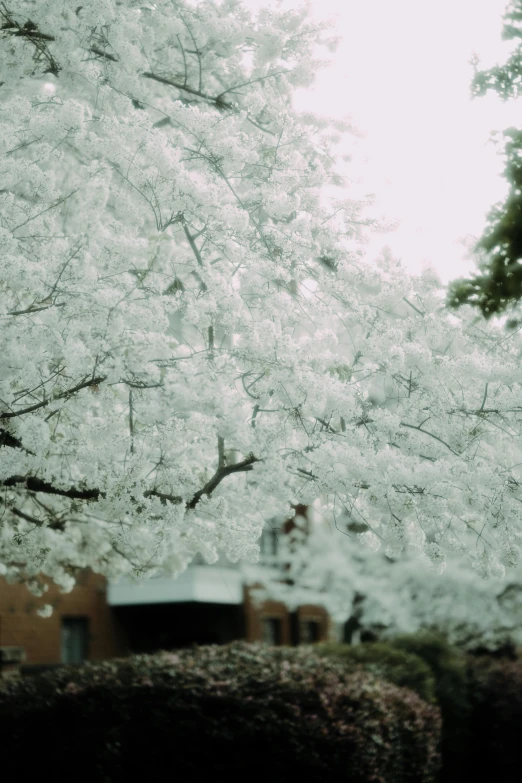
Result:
[413,306]
[431,434]
[193,245]
[32,309]
[34,484]
[165,80]
[131,421]
[219,475]
[11,441]
[47,209]
[221,452]
[43,404]
[57,525]
[163,496]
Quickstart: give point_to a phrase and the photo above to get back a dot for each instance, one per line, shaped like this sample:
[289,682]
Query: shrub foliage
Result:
[496,717]
[232,711]
[384,661]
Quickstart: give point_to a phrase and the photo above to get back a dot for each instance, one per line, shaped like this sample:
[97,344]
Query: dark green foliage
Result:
[231,712]
[497,286]
[505,80]
[386,662]
[449,667]
[496,719]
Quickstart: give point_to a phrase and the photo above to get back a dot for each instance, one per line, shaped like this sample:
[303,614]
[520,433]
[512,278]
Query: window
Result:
[269,543]
[75,639]
[271,630]
[309,631]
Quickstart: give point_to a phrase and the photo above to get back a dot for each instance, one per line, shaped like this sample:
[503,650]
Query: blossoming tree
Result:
[445,501]
[374,591]
[192,337]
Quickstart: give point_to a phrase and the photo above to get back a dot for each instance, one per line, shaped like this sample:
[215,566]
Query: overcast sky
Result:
[402,72]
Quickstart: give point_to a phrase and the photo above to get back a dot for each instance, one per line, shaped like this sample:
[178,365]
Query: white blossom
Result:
[45,611]
[166,382]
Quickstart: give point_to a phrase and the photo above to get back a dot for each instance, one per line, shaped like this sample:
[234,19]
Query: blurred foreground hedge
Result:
[496,719]
[381,659]
[232,711]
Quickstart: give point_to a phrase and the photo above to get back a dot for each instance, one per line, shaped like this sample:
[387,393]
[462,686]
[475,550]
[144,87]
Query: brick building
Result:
[207,604]
[81,627]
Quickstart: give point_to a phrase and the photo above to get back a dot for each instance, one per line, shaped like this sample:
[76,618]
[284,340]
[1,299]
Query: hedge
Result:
[496,719]
[449,667]
[234,711]
[384,661]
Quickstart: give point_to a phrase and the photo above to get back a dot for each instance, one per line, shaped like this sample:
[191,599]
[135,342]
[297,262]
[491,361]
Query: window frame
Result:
[69,646]
[276,638]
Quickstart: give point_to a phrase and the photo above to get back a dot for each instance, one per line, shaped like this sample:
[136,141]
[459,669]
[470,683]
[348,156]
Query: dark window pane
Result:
[75,639]
[271,630]
[269,542]
[309,631]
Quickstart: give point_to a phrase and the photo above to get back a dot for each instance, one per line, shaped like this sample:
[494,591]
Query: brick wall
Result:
[255,614]
[40,637]
[20,625]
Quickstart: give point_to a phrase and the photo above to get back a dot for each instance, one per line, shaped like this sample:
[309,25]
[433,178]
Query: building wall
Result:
[40,637]
[255,614]
[162,625]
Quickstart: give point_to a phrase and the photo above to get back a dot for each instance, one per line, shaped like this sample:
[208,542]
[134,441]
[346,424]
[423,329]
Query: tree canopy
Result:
[193,337]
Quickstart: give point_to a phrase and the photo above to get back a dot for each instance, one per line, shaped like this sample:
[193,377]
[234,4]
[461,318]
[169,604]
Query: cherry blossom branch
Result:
[221,452]
[413,306]
[33,309]
[165,80]
[9,440]
[43,403]
[31,33]
[431,434]
[165,497]
[47,209]
[226,470]
[193,245]
[250,81]
[34,484]
[56,525]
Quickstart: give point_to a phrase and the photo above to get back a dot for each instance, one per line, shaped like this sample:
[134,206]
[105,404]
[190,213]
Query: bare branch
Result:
[56,525]
[431,434]
[30,32]
[196,52]
[34,484]
[221,452]
[33,309]
[165,80]
[413,306]
[239,467]
[163,496]
[47,209]
[250,81]
[82,385]
[131,421]
[100,53]
[11,441]
[485,397]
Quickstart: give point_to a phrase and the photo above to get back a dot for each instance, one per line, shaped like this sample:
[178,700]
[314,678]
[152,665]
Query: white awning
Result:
[205,584]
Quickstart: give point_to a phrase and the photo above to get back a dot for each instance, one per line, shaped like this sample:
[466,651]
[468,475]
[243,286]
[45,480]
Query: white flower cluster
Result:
[192,337]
